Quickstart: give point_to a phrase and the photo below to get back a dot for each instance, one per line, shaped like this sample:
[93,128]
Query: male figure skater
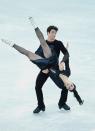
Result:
[43,75]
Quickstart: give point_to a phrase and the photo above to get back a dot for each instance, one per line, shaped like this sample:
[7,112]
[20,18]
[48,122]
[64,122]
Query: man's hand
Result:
[46,71]
[61,66]
[69,85]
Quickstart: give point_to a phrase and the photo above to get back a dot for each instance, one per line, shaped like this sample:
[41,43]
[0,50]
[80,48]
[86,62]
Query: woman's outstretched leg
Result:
[46,50]
[29,54]
[42,63]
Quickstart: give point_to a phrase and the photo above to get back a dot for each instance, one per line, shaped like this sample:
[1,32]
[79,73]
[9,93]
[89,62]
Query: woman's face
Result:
[70,86]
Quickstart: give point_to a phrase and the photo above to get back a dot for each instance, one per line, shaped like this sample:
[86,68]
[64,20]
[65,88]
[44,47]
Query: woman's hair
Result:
[52,27]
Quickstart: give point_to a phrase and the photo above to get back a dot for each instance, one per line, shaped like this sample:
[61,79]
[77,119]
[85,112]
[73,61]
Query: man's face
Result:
[52,34]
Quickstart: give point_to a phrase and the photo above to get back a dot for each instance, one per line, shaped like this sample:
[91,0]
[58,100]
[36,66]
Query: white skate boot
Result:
[10,43]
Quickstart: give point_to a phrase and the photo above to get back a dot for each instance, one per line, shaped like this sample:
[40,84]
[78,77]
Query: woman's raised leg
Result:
[46,50]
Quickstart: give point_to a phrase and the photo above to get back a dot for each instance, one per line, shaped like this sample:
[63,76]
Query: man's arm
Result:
[64,51]
[66,63]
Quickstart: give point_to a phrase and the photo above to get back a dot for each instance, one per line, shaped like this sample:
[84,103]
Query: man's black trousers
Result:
[41,79]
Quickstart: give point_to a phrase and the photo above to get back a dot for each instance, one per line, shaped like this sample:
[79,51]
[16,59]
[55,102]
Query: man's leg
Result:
[64,92]
[41,78]
[63,100]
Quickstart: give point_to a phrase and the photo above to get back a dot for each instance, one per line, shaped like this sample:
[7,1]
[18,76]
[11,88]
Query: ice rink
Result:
[76,23]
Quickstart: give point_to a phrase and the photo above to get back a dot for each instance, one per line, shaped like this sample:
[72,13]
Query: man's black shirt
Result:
[57,46]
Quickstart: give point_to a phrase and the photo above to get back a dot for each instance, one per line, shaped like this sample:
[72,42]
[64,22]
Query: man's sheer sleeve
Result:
[64,51]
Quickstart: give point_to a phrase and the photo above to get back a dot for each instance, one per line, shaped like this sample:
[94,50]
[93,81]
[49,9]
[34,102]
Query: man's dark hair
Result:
[52,27]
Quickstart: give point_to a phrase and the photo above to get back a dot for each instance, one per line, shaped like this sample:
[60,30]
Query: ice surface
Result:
[76,23]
